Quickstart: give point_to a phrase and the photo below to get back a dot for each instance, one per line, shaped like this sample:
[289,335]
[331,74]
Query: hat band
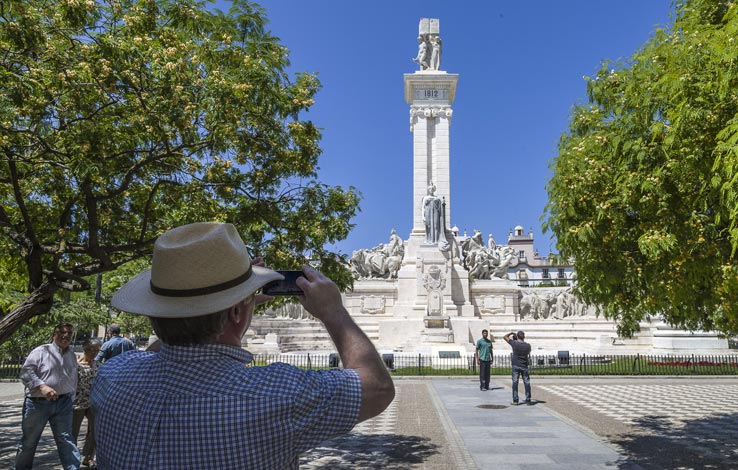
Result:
[201,290]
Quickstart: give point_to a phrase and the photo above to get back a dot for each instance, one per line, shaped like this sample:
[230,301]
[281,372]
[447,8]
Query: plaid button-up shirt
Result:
[202,407]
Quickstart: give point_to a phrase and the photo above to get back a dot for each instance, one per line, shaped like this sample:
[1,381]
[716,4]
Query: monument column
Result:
[419,128]
[430,94]
[432,284]
[432,304]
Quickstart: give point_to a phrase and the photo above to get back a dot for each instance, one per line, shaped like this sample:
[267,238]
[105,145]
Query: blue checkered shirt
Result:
[202,407]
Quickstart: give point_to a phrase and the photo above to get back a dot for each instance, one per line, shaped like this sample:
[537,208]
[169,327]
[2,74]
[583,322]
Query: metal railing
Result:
[10,370]
[561,363]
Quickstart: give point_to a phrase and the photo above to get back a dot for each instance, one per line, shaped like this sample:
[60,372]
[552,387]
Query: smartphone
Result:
[287,286]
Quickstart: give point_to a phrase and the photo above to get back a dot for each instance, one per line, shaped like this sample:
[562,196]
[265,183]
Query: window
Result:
[545,273]
[521,254]
[561,273]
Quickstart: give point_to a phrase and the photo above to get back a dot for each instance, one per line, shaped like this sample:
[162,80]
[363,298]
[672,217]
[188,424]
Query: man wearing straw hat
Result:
[195,403]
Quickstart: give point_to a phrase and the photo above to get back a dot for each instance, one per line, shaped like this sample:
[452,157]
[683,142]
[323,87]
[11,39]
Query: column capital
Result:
[429,112]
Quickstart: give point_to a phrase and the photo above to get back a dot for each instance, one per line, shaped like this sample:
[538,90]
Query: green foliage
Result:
[27,337]
[644,196]
[82,312]
[120,120]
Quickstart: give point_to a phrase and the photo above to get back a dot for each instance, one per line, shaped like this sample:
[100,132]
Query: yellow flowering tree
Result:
[643,195]
[122,118]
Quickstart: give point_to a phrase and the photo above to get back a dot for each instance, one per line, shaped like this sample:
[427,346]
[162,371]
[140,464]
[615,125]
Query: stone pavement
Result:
[662,423]
[578,423]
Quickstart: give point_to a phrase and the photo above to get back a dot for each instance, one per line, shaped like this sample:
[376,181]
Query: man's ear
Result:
[233,312]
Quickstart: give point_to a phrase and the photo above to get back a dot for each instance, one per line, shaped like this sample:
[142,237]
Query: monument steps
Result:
[296,334]
[579,337]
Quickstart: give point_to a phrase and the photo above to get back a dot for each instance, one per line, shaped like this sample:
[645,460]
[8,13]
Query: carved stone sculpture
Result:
[429,45]
[486,262]
[542,303]
[432,208]
[434,282]
[435,56]
[381,262]
[422,58]
[396,247]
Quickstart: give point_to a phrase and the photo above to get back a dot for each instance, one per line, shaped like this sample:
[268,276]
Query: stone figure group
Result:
[381,262]
[429,52]
[486,262]
[542,303]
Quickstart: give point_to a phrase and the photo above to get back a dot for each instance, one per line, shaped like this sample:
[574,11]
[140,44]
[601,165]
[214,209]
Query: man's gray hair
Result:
[193,330]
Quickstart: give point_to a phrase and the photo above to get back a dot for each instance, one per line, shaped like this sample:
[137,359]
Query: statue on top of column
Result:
[422,58]
[429,44]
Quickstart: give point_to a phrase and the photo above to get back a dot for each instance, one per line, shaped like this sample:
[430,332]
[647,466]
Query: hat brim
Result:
[136,297]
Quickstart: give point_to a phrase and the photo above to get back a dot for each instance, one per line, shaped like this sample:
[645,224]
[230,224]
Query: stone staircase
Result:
[295,335]
[585,335]
[579,335]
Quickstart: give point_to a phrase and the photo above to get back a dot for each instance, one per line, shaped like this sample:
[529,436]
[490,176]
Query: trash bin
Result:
[563,357]
[389,361]
[333,360]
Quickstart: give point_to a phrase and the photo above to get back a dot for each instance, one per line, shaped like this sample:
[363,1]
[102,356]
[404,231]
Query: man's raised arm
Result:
[323,300]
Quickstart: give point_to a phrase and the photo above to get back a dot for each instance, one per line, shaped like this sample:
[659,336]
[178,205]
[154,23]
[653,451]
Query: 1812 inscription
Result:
[431,94]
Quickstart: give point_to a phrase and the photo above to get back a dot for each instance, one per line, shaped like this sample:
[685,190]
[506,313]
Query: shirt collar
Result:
[205,352]
[58,348]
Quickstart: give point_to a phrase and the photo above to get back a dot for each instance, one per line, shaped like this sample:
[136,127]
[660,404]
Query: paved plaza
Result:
[577,423]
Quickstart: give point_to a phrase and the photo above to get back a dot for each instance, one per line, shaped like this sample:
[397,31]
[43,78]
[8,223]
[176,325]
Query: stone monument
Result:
[427,300]
[436,291]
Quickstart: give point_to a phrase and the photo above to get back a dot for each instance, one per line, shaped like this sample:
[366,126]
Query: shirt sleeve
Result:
[326,406]
[29,371]
[103,351]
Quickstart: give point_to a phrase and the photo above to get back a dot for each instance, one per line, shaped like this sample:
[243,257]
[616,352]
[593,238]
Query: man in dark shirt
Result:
[116,344]
[520,363]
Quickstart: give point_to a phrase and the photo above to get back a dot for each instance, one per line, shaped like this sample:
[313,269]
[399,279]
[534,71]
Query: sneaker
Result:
[514,403]
[528,402]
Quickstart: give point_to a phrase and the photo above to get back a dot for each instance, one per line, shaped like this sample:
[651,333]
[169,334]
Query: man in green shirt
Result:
[484,357]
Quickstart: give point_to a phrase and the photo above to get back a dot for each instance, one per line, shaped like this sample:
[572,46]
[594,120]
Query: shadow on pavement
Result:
[697,444]
[367,451]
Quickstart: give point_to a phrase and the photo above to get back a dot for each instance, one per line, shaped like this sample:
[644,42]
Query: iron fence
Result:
[10,370]
[561,363]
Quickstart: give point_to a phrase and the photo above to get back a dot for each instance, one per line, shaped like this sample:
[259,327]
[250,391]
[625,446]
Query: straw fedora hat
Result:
[197,269]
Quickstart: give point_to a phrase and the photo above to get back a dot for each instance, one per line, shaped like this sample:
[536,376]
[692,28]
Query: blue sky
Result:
[520,67]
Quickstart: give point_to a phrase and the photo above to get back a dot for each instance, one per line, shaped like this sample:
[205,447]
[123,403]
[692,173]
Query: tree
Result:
[643,195]
[120,119]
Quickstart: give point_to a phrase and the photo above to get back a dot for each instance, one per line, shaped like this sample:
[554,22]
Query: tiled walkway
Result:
[578,423]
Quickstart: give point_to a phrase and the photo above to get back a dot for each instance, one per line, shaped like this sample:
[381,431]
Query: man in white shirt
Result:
[50,377]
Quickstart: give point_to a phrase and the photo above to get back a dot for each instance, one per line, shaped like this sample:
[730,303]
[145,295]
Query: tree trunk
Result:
[38,302]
